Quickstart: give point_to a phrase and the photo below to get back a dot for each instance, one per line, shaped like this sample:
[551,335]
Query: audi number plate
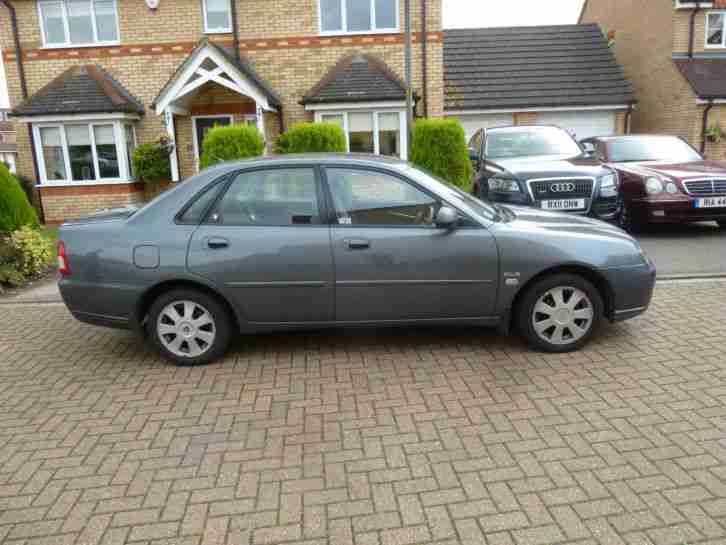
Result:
[711,202]
[564,204]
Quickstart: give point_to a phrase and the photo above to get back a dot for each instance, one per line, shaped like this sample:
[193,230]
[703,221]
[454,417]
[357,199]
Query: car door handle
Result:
[357,243]
[217,243]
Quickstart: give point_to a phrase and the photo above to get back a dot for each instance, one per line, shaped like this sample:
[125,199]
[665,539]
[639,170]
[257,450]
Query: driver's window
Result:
[281,196]
[366,197]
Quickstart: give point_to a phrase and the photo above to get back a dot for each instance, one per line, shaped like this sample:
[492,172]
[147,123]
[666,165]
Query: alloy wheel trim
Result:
[563,315]
[186,329]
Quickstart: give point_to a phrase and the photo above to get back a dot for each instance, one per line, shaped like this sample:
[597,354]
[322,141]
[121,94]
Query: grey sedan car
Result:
[335,240]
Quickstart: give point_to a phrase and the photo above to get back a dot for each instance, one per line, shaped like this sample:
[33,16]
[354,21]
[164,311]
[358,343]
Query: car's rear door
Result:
[393,263]
[267,246]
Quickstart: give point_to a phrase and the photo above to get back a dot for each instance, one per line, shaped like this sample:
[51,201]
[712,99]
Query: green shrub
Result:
[312,138]
[33,251]
[15,210]
[231,143]
[151,161]
[439,146]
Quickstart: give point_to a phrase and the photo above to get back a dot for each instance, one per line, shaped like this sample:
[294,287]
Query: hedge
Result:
[439,146]
[151,162]
[230,143]
[312,138]
[15,209]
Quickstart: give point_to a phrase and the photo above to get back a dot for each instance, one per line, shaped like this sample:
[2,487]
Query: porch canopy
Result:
[210,63]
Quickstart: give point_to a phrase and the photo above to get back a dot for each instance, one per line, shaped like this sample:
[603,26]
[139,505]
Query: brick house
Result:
[674,52]
[95,78]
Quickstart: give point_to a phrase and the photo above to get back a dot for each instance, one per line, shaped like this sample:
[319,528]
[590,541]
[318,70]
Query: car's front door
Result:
[392,263]
[266,245]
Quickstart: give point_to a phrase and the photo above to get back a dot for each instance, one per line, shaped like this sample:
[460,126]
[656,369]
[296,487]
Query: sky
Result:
[485,13]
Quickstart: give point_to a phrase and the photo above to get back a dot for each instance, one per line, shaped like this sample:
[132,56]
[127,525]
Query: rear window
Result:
[195,212]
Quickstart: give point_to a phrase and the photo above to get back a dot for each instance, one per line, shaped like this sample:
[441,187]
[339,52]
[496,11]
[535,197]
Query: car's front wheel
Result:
[560,313]
[189,327]
[627,221]
[722,224]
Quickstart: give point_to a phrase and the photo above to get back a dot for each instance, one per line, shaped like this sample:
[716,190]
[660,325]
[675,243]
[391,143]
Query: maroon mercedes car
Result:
[663,179]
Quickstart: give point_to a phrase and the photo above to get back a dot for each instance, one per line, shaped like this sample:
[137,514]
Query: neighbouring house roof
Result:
[81,90]
[531,67]
[240,64]
[357,78]
[706,76]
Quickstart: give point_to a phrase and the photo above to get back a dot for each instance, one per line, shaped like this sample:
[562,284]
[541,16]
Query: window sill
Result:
[57,183]
[333,33]
[82,46]
[212,31]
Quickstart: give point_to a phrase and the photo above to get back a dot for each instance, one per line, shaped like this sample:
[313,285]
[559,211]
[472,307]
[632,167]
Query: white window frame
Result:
[319,114]
[67,43]
[344,21]
[220,30]
[723,30]
[119,139]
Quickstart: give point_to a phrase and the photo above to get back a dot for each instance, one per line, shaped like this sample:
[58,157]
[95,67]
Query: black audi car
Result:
[544,167]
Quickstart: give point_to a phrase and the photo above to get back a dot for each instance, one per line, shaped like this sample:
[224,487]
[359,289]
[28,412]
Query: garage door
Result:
[581,124]
[473,123]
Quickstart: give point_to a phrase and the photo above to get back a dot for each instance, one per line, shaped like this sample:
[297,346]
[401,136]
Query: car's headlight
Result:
[609,185]
[504,185]
[671,188]
[653,186]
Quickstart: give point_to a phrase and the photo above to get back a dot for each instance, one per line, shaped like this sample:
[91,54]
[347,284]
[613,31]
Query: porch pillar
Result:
[261,122]
[174,157]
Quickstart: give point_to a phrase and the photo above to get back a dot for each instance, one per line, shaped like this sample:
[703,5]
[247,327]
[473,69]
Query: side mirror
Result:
[589,149]
[447,217]
[474,155]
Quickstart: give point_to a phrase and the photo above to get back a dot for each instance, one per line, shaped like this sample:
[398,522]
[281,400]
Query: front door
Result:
[202,125]
[267,247]
[391,261]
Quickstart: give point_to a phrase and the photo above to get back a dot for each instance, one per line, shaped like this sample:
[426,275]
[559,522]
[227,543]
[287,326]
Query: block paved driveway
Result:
[375,437]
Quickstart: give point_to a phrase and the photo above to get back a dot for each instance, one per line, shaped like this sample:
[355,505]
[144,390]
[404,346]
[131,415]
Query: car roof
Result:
[628,137]
[523,127]
[359,159]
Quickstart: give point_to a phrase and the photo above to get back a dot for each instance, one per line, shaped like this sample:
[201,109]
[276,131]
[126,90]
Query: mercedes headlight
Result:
[504,185]
[653,186]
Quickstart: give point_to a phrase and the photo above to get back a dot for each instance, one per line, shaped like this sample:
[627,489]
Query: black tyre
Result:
[722,224]
[560,313]
[189,327]
[627,222]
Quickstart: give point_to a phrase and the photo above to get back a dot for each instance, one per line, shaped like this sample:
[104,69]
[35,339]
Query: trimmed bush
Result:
[439,146]
[34,252]
[15,209]
[151,161]
[312,138]
[230,143]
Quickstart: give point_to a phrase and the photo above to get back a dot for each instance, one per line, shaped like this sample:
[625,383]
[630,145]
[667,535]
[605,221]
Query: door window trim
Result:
[332,216]
[232,176]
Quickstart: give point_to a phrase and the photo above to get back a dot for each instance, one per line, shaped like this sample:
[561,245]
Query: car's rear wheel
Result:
[560,313]
[189,327]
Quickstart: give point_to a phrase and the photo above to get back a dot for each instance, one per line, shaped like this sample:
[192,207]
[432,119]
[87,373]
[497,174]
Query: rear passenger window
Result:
[195,212]
[275,197]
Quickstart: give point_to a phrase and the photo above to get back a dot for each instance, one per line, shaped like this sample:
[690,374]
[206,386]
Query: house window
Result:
[217,16]
[78,22]
[82,153]
[358,16]
[370,132]
[715,34]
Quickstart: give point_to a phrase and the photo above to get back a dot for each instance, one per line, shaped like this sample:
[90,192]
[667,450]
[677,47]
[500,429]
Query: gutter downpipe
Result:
[424,56]
[692,29]
[628,117]
[235,30]
[24,92]
[704,125]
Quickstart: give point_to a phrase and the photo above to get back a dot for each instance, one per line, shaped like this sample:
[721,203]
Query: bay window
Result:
[377,132]
[85,152]
[68,23]
[715,29]
[358,16]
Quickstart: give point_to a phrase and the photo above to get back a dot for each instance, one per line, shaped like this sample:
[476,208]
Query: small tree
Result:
[312,138]
[230,143]
[15,209]
[439,146]
[151,161]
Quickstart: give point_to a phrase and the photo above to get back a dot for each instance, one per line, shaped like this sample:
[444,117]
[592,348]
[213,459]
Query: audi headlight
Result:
[504,185]
[653,186]
[609,185]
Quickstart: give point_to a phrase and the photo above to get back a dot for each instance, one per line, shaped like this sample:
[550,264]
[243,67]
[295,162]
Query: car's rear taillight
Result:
[63,267]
